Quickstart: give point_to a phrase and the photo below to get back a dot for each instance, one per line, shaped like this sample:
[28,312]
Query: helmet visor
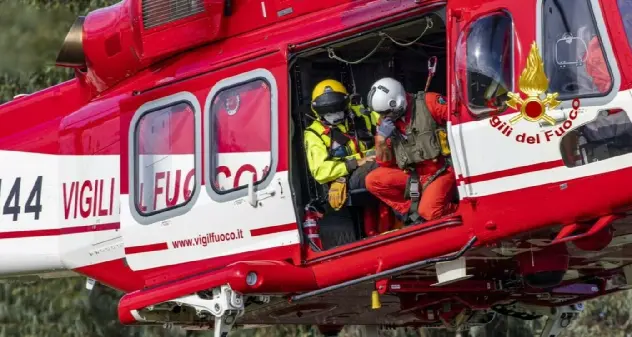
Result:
[369,99]
[330,102]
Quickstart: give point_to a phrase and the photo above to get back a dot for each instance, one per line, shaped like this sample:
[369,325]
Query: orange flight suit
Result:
[388,182]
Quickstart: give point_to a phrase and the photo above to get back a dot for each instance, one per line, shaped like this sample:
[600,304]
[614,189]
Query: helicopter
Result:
[172,167]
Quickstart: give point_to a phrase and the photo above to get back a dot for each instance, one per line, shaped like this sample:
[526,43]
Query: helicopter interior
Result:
[401,51]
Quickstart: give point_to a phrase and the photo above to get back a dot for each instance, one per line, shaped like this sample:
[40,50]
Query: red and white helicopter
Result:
[172,166]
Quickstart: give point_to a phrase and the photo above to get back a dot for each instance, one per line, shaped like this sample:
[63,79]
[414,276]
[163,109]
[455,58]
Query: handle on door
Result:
[254,197]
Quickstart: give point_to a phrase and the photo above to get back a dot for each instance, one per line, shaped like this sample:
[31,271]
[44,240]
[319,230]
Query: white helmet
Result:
[387,95]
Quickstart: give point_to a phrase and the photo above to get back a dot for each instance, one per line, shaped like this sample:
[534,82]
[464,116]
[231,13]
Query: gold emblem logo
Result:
[534,83]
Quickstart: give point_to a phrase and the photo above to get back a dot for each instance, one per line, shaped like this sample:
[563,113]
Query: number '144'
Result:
[13,205]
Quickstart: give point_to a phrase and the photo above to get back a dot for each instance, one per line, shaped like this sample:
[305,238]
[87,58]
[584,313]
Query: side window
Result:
[574,59]
[625,9]
[240,135]
[607,136]
[165,161]
[484,63]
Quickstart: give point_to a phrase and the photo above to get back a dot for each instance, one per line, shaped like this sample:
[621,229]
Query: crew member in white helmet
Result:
[414,177]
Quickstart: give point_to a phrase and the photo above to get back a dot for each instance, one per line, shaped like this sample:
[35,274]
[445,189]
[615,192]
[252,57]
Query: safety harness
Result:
[358,124]
[413,192]
[337,189]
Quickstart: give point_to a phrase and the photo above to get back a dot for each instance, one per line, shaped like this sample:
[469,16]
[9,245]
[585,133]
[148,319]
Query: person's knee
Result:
[434,210]
[372,182]
[428,212]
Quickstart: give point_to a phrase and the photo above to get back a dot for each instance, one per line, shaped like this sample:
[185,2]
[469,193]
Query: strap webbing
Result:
[415,194]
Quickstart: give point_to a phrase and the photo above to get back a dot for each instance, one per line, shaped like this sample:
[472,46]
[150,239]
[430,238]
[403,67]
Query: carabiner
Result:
[432,64]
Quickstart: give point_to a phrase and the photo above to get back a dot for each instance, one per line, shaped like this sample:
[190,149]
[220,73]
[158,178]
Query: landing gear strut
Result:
[225,305]
[220,306]
[560,318]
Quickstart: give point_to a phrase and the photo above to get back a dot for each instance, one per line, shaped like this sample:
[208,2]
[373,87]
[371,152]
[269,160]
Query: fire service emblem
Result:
[533,83]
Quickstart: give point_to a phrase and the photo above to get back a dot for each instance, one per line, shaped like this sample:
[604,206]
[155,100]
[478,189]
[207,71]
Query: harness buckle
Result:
[413,190]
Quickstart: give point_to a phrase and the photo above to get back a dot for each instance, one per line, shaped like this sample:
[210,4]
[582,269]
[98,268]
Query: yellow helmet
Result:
[333,85]
[330,97]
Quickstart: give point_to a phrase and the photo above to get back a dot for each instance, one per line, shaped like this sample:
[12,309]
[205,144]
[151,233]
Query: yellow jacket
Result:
[324,165]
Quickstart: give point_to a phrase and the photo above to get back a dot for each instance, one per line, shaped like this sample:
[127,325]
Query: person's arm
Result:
[323,169]
[438,107]
[383,152]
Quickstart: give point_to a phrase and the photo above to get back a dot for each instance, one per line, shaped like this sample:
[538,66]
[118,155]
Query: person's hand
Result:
[364,160]
[386,128]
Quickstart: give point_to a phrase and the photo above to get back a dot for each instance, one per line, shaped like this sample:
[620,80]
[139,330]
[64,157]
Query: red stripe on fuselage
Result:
[273,229]
[155,247]
[514,171]
[60,231]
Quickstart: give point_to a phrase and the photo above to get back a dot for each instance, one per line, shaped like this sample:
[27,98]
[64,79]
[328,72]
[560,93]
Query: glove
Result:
[339,152]
[386,128]
[338,193]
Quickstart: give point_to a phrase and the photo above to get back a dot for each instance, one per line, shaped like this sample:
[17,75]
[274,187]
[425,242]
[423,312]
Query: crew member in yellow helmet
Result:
[339,144]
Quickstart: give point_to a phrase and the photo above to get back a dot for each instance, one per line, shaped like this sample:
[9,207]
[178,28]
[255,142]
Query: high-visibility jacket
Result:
[330,150]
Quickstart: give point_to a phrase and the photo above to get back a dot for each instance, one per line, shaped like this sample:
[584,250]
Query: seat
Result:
[359,197]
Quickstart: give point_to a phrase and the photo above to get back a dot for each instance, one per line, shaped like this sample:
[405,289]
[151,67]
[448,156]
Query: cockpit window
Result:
[484,63]
[625,9]
[574,59]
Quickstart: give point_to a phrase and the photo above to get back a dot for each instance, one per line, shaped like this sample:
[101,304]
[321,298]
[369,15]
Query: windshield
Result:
[485,61]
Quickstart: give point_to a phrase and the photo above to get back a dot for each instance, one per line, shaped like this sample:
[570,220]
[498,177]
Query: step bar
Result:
[387,273]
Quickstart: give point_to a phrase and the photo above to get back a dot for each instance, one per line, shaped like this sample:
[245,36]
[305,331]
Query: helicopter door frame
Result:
[468,123]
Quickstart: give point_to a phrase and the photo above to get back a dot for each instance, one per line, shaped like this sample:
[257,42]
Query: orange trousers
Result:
[389,184]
